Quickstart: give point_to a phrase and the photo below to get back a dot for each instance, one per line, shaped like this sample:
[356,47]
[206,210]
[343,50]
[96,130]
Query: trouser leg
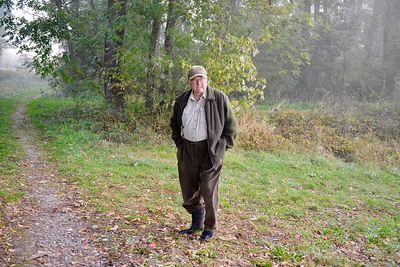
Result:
[209,181]
[199,181]
[189,178]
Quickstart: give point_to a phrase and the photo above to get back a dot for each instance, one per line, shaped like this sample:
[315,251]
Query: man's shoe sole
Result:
[206,236]
[190,231]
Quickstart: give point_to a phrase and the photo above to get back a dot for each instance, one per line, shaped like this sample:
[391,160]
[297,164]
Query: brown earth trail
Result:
[47,229]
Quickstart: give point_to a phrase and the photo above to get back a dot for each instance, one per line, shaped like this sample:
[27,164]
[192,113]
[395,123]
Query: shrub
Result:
[255,133]
[349,136]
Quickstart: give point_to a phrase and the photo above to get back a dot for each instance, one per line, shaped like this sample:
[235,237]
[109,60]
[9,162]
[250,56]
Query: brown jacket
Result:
[221,123]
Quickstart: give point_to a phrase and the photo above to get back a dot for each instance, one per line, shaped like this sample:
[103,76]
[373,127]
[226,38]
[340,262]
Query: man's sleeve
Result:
[174,124]
[230,127]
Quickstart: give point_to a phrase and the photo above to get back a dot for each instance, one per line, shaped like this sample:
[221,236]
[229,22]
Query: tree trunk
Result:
[169,52]
[388,63]
[113,86]
[92,5]
[155,32]
[317,6]
[307,6]
[74,9]
[303,83]
[371,31]
[95,24]
[108,65]
[171,21]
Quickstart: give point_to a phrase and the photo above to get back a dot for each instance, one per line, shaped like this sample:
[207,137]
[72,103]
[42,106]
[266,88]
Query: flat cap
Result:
[195,71]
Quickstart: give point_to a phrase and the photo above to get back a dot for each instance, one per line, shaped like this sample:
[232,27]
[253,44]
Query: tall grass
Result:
[364,137]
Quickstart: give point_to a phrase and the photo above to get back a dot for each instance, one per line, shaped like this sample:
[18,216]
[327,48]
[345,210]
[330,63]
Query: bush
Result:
[380,119]
[256,133]
[349,135]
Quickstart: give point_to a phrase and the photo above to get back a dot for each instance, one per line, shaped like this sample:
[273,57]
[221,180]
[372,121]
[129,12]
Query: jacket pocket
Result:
[220,151]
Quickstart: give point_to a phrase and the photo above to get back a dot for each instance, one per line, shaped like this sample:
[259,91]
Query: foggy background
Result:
[11,60]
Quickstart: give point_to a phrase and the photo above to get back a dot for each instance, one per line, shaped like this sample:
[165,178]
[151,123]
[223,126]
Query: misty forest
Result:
[88,169]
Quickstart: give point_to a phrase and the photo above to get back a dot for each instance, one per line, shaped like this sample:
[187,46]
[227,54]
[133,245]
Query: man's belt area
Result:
[194,143]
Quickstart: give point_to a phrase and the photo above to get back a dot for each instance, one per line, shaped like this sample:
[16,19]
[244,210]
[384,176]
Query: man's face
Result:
[198,85]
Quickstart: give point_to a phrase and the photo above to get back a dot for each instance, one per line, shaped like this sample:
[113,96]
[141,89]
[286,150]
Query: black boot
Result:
[197,223]
[206,235]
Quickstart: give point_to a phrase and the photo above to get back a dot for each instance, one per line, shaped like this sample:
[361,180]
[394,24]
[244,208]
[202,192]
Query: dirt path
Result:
[50,231]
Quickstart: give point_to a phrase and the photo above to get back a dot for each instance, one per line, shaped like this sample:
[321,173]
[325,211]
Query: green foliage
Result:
[198,26]
[228,57]
[37,35]
[284,51]
[75,67]
[91,118]
[229,61]
[303,54]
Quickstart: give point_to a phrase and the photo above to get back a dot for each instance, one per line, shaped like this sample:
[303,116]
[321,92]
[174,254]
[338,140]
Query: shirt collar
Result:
[203,96]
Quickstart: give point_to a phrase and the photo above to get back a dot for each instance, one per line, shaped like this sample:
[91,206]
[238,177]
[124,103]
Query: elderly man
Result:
[203,127]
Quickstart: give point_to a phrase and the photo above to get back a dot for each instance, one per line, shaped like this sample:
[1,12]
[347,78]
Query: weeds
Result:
[352,137]
[279,253]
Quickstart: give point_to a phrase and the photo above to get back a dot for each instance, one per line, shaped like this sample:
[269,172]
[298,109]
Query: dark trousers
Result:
[199,181]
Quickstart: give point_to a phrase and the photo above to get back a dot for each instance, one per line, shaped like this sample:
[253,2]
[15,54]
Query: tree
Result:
[37,35]
[182,33]
[281,31]
[114,89]
[156,13]
[391,43]
[144,50]
[3,12]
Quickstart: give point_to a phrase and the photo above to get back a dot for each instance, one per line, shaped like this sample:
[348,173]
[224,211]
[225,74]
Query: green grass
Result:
[7,140]
[10,186]
[270,105]
[282,207]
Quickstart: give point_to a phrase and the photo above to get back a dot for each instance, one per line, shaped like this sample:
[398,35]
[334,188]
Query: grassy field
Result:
[276,208]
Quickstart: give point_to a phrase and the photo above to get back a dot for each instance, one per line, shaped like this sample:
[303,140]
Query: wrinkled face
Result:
[198,85]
